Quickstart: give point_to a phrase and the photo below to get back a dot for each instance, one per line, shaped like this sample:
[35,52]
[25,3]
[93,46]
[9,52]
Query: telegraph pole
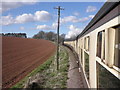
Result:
[57,55]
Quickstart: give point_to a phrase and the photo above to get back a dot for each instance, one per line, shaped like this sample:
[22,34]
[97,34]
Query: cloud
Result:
[74,31]
[6,20]
[84,19]
[91,9]
[54,25]
[10,4]
[69,19]
[20,1]
[44,27]
[41,16]
[24,18]
[91,16]
[74,19]
[22,28]
[76,13]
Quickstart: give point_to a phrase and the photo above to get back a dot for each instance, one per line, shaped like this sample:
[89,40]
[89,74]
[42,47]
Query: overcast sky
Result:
[32,17]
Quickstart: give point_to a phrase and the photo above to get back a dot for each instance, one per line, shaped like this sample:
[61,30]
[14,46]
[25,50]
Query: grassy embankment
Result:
[49,76]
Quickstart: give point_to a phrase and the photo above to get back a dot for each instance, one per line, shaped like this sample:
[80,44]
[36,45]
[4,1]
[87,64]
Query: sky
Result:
[32,17]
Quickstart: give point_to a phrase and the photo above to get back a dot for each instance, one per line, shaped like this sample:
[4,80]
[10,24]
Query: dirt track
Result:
[20,56]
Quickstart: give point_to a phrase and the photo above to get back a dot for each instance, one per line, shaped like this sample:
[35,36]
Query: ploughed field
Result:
[21,55]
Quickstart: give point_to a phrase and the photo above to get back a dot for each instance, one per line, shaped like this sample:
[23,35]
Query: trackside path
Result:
[75,78]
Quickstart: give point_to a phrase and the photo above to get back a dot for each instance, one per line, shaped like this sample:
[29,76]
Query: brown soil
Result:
[20,56]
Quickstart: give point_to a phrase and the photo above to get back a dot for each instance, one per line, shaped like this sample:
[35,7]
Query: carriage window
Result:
[117,47]
[101,45]
[105,79]
[86,43]
[86,56]
[77,45]
[81,56]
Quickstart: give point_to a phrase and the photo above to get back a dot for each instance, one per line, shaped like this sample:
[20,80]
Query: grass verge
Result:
[42,67]
[49,76]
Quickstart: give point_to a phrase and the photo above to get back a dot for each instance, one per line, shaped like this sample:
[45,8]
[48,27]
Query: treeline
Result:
[23,35]
[49,36]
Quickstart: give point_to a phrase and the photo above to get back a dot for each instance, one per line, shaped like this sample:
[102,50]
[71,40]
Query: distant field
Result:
[20,56]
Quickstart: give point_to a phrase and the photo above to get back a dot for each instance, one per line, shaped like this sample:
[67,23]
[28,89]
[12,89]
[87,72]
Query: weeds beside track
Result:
[49,77]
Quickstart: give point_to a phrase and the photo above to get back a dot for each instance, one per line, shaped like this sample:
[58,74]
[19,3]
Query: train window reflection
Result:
[86,43]
[86,65]
[105,79]
[117,47]
[81,56]
[99,44]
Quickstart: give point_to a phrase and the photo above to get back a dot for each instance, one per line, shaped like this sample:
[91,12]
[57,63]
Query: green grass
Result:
[51,78]
[58,79]
[34,72]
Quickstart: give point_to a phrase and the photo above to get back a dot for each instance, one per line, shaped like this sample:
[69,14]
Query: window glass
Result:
[117,47]
[106,79]
[86,65]
[85,43]
[99,44]
[81,56]
[88,43]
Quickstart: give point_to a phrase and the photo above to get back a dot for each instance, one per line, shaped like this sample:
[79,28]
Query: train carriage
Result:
[98,47]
